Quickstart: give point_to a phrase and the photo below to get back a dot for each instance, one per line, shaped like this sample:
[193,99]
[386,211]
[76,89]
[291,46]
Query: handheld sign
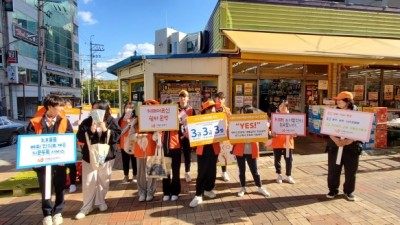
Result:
[246,128]
[207,129]
[85,111]
[73,115]
[158,118]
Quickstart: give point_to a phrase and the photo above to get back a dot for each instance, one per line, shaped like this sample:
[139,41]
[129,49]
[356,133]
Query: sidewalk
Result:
[377,191]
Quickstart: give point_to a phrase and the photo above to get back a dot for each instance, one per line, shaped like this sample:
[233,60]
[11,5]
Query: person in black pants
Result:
[51,120]
[350,157]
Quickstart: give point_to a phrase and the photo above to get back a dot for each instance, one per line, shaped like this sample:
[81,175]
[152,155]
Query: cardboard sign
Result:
[288,123]
[347,124]
[45,149]
[207,129]
[158,117]
[246,128]
[73,115]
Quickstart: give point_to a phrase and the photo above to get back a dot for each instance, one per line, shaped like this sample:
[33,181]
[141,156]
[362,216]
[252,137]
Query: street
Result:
[8,155]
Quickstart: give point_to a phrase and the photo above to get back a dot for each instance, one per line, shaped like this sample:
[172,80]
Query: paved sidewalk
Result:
[377,191]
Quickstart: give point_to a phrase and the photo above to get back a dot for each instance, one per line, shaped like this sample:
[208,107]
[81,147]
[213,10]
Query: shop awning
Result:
[315,45]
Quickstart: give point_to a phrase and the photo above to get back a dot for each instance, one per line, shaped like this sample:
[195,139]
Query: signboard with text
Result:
[246,128]
[158,117]
[207,129]
[347,124]
[45,149]
[73,115]
[288,123]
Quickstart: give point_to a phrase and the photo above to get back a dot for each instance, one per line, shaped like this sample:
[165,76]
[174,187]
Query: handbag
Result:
[158,166]
[98,152]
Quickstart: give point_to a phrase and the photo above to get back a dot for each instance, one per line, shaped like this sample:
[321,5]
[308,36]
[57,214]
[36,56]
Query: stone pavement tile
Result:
[299,221]
[118,217]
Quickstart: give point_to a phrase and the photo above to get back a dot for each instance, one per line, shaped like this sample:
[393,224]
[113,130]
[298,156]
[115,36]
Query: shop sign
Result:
[23,34]
[12,75]
[207,128]
[388,94]
[248,88]
[322,84]
[239,89]
[373,96]
[158,118]
[288,123]
[239,101]
[358,92]
[246,128]
[12,56]
[171,91]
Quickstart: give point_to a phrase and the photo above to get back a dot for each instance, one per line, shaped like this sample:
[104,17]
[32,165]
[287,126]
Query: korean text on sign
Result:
[207,129]
[45,149]
[288,123]
[158,118]
[245,128]
[347,124]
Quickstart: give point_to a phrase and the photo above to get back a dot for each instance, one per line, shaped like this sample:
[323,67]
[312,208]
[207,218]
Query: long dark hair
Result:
[127,103]
[105,105]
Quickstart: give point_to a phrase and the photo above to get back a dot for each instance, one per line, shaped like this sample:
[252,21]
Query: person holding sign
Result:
[50,119]
[248,152]
[99,128]
[220,106]
[207,156]
[127,123]
[350,155]
[185,110]
[279,145]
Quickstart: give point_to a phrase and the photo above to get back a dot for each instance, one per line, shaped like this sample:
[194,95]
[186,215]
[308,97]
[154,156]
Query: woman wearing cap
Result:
[207,156]
[350,157]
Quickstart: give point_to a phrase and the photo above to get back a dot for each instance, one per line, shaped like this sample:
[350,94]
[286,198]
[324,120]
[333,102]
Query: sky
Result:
[124,26]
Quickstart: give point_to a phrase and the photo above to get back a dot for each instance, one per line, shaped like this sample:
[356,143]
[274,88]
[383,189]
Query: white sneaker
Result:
[47,220]
[225,176]
[165,198]
[82,214]
[290,180]
[125,180]
[279,179]
[72,188]
[134,180]
[149,198]
[103,207]
[174,197]
[242,191]
[142,198]
[210,194]
[196,201]
[57,219]
[187,177]
[264,192]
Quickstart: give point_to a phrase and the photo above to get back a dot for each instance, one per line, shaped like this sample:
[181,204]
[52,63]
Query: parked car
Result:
[10,130]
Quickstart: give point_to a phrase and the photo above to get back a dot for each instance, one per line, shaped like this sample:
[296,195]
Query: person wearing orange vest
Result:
[279,148]
[207,156]
[248,152]
[145,146]
[185,110]
[50,119]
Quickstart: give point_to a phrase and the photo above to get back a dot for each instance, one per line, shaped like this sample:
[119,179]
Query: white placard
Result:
[239,101]
[207,128]
[347,124]
[288,123]
[245,128]
[45,149]
[158,117]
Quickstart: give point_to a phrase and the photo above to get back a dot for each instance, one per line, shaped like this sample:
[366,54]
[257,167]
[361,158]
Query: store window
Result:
[136,90]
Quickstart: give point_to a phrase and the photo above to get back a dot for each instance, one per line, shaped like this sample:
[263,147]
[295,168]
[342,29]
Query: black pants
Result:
[278,153]
[241,160]
[72,172]
[187,153]
[58,181]
[126,159]
[206,170]
[172,186]
[223,168]
[350,160]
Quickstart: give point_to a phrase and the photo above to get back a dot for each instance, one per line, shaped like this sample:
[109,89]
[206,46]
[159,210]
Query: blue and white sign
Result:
[207,129]
[45,149]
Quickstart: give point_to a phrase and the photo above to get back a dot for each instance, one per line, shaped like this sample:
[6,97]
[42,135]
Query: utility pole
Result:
[40,49]
[93,48]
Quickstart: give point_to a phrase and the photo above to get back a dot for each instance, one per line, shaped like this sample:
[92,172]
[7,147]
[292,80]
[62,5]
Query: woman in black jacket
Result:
[96,182]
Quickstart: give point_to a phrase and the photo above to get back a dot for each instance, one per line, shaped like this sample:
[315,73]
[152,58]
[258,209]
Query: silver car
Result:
[9,130]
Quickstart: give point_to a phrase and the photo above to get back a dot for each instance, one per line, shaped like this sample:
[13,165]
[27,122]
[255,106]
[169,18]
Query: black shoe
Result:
[350,197]
[331,194]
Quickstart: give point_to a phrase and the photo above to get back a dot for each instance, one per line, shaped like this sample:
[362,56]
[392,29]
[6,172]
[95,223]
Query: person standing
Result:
[350,157]
[72,166]
[96,182]
[220,106]
[207,156]
[185,110]
[248,152]
[279,148]
[127,123]
[51,120]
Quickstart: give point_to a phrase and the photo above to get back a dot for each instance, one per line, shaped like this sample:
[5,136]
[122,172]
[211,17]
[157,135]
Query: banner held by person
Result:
[158,118]
[207,129]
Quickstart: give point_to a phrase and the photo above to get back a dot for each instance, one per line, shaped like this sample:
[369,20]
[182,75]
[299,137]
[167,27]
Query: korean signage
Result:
[12,56]
[73,115]
[45,149]
[347,124]
[171,91]
[288,123]
[207,129]
[158,118]
[12,74]
[245,128]
[23,34]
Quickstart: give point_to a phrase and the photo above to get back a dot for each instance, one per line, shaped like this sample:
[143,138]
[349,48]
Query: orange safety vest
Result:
[173,142]
[238,150]
[279,141]
[216,147]
[150,150]
[36,122]
[125,135]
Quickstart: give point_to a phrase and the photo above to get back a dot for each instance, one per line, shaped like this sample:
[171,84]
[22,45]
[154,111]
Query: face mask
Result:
[128,111]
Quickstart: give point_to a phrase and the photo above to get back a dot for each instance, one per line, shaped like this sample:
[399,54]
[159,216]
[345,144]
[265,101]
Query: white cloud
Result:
[141,49]
[87,17]
[86,1]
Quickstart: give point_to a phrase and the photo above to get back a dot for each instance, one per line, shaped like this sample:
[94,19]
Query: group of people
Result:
[137,146]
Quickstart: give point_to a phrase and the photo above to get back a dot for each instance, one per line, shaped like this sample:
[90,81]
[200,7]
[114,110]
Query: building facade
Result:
[51,36]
